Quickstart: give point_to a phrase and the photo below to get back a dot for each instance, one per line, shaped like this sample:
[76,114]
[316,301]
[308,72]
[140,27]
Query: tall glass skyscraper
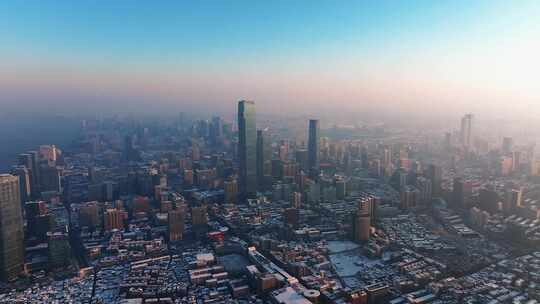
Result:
[313,148]
[11,228]
[247,149]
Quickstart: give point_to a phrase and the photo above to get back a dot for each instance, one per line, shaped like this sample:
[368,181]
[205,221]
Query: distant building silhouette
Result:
[467,130]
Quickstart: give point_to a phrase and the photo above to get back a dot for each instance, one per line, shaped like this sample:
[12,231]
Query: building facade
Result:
[11,228]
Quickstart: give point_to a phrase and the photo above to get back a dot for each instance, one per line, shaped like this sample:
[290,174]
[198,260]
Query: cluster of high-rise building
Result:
[213,211]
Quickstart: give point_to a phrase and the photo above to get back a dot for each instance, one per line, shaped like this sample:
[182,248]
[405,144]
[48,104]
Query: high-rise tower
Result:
[313,148]
[264,158]
[247,149]
[176,222]
[507,144]
[25,181]
[434,173]
[11,228]
[466,130]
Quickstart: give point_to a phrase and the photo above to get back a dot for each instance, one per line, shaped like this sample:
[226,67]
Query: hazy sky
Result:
[302,56]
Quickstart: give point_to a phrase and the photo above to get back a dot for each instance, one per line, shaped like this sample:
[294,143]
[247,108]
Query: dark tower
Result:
[313,148]
[247,149]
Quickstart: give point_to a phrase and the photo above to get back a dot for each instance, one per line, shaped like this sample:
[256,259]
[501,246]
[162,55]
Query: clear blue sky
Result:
[148,30]
[274,51]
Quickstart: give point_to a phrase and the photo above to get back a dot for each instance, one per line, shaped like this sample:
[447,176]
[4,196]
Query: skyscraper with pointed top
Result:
[247,149]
